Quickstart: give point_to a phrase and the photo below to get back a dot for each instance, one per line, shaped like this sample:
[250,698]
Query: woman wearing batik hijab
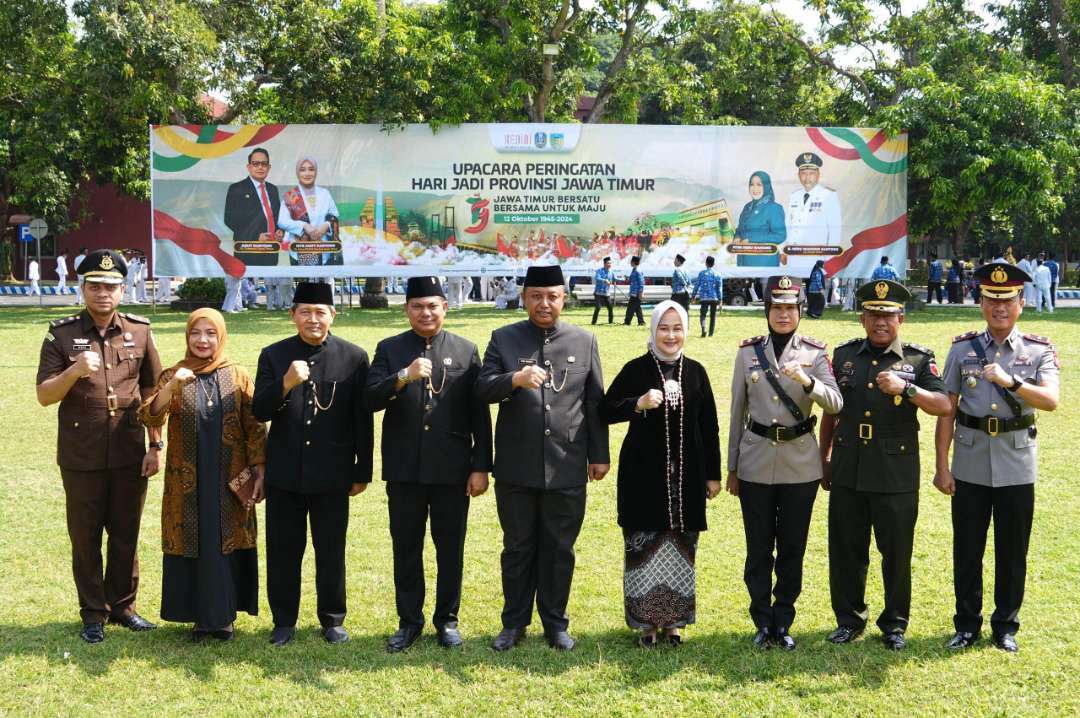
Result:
[668,465]
[213,478]
[309,216]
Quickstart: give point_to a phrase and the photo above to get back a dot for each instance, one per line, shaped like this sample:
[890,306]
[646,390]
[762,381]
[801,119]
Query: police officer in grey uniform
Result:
[870,459]
[773,464]
[436,453]
[550,439]
[997,378]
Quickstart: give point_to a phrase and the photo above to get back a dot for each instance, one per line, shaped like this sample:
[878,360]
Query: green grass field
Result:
[46,670]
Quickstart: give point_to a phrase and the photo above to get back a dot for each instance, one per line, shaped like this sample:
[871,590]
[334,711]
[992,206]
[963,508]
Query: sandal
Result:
[647,640]
[674,639]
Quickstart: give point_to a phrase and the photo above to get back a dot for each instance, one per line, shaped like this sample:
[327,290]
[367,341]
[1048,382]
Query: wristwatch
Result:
[403,375]
[1015,386]
[159,445]
[910,390]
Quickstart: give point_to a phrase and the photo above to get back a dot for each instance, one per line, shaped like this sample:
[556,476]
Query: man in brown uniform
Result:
[99,364]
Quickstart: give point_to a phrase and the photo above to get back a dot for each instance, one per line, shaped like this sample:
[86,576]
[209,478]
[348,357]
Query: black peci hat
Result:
[423,287]
[314,293]
[544,275]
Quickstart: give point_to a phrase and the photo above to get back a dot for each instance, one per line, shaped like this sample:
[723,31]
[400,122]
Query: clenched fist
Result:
[181,377]
[419,369]
[529,377]
[793,370]
[87,363]
[297,374]
[650,399]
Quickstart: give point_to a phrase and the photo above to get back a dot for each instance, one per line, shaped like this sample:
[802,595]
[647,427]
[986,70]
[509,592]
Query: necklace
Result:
[431,387]
[558,388]
[315,395]
[208,384]
[673,396]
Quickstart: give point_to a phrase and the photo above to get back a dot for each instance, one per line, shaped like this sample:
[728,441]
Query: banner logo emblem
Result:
[480,214]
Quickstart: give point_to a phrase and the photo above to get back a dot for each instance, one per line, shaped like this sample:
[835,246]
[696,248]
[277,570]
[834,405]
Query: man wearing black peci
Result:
[550,440]
[436,453]
[319,453]
[251,209]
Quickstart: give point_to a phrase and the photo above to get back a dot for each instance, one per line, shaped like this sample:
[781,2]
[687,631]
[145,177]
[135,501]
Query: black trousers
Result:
[602,300]
[815,304]
[633,309]
[287,516]
[775,516]
[97,502]
[934,289]
[852,514]
[682,298]
[708,306]
[1053,294]
[410,505]
[539,530]
[1012,508]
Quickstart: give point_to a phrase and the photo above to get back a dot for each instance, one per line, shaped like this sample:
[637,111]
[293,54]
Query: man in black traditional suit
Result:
[251,210]
[550,439]
[319,453]
[436,453]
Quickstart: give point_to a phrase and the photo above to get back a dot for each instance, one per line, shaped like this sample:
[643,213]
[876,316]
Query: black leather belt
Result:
[869,432]
[994,425]
[780,433]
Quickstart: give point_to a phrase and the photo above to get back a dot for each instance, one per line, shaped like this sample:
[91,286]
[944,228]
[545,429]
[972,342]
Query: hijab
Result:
[660,310]
[767,195]
[218,359]
[314,164]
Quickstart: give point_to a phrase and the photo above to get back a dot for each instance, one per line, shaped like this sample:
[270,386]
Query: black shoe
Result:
[92,632]
[762,639]
[647,640]
[282,635]
[560,640]
[702,333]
[135,622]
[224,635]
[449,636]
[843,634]
[783,639]
[894,640]
[402,639]
[673,639]
[335,634]
[508,638]
[962,639]
[1006,642]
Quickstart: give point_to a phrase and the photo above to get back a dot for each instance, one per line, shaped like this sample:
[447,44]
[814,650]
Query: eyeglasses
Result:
[259,163]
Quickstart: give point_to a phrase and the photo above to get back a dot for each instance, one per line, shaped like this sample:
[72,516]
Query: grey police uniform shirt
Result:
[759,459]
[1009,458]
[545,438]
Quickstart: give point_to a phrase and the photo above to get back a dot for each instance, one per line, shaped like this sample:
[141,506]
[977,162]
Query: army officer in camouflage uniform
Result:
[870,457]
[773,462]
[997,378]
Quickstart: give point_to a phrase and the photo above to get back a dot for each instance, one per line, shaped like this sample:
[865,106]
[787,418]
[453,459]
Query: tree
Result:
[39,145]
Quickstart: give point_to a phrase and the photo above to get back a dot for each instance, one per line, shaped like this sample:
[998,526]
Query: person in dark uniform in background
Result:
[251,209]
[550,439]
[870,459]
[100,364]
[436,453]
[318,454]
[634,292]
[680,283]
[772,455]
[996,378]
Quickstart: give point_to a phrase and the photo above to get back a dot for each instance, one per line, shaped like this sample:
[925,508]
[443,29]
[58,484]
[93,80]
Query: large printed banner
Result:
[356,200]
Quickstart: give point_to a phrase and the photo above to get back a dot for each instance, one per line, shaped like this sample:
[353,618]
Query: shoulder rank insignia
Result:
[751,341]
[1037,338]
[138,319]
[918,347]
[965,336]
[849,342]
[63,321]
[813,342]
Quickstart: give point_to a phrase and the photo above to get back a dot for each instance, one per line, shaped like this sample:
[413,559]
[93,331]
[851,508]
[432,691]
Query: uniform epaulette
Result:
[63,321]
[966,336]
[137,318]
[1038,339]
[918,347]
[849,342]
[751,341]
[813,342]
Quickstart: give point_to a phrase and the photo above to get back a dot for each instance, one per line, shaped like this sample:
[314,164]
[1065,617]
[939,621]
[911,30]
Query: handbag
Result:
[243,486]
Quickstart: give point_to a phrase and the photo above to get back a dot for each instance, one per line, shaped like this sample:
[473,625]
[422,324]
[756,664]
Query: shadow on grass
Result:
[307,660]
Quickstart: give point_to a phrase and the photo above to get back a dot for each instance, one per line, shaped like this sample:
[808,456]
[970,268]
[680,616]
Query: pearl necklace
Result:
[672,399]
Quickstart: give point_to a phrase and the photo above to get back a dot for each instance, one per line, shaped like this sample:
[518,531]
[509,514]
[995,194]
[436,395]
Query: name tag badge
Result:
[129,344]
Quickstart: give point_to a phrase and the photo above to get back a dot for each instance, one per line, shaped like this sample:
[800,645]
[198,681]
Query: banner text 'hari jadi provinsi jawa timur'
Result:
[357,200]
